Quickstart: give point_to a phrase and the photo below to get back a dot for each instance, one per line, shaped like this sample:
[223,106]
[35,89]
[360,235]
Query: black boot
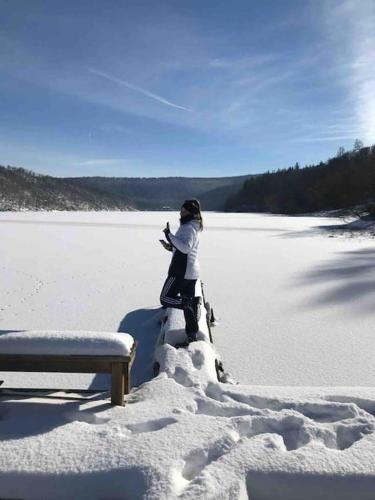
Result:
[197,301]
[191,326]
[191,308]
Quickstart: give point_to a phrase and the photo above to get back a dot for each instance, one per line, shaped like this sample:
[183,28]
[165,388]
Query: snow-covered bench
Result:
[71,352]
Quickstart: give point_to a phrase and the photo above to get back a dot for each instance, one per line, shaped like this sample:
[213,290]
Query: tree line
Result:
[22,189]
[343,182]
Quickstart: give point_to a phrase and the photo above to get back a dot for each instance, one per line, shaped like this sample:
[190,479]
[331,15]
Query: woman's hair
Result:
[194,207]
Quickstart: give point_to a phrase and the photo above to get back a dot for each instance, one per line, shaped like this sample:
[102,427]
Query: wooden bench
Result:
[39,356]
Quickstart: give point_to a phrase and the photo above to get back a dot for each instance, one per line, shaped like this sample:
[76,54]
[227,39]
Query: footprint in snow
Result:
[88,418]
[332,411]
[349,434]
[197,359]
[151,425]
[197,460]
[290,428]
[367,405]
[218,409]
[182,377]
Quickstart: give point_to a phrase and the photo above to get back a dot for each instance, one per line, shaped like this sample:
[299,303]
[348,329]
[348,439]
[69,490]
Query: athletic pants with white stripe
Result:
[172,290]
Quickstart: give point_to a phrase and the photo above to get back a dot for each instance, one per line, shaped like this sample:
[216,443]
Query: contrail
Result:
[137,89]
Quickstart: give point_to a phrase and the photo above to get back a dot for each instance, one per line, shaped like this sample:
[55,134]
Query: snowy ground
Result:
[295,309]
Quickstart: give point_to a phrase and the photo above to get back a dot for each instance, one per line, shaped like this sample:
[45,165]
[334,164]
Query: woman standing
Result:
[179,288]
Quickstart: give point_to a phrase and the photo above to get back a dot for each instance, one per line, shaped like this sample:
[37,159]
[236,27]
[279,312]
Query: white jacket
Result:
[185,249]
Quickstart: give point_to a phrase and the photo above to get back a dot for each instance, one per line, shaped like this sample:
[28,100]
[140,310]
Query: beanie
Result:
[193,206]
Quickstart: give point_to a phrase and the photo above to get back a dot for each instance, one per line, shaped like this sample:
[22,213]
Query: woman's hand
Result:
[166,230]
[166,245]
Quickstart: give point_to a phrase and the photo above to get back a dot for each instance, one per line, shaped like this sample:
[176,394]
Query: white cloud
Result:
[101,162]
[351,25]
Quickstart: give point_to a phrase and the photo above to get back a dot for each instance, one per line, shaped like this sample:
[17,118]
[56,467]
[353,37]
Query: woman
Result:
[179,288]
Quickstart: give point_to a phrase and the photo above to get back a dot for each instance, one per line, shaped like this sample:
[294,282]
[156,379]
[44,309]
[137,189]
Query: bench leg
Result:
[117,384]
[127,378]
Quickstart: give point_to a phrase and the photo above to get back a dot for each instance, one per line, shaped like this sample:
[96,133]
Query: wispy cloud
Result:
[97,162]
[110,128]
[285,80]
[351,25]
[128,85]
[324,138]
[243,62]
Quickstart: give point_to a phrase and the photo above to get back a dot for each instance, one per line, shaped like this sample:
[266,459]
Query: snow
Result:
[200,355]
[295,329]
[296,303]
[277,284]
[66,343]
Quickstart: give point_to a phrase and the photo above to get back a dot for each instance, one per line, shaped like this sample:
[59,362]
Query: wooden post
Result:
[127,378]
[117,384]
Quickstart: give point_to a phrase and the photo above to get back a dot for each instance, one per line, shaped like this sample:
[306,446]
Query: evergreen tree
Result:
[342,182]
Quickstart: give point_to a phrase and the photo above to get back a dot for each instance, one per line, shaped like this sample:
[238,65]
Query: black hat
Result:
[193,206]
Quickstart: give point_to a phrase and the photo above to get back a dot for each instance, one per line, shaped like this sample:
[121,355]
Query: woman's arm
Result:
[185,240]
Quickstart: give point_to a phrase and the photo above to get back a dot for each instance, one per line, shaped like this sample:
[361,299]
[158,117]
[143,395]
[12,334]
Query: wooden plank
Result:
[117,384]
[64,364]
[65,356]
[55,365]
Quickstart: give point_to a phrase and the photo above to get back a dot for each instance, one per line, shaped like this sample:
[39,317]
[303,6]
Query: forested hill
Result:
[155,193]
[22,189]
[342,182]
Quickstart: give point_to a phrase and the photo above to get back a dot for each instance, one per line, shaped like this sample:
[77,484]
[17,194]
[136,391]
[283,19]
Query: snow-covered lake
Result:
[295,306]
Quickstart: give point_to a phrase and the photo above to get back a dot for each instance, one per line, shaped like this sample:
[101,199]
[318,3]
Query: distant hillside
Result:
[341,183]
[155,193]
[22,189]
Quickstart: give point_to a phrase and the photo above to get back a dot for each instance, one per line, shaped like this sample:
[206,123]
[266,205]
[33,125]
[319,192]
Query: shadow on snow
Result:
[350,279]
[143,325]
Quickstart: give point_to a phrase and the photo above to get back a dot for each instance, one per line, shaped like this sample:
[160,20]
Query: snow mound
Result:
[242,443]
[195,364]
[186,435]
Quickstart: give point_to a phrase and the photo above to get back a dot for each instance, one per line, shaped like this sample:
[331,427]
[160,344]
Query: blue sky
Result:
[181,87]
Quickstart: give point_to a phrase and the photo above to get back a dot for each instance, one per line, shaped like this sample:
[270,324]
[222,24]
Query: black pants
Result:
[172,290]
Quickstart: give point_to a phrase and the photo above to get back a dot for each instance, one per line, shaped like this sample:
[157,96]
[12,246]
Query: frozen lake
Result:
[296,306]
